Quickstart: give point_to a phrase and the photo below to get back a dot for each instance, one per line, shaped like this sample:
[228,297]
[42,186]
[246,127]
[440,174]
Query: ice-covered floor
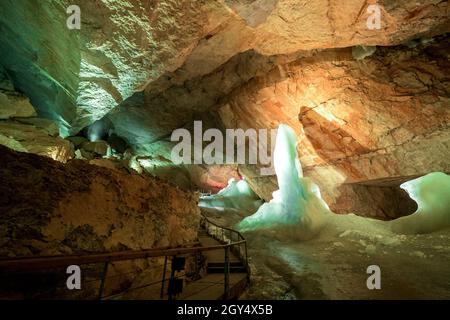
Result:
[299,249]
[333,264]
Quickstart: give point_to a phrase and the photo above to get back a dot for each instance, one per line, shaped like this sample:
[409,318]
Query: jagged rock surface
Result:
[359,122]
[48,208]
[35,137]
[52,208]
[259,62]
[166,43]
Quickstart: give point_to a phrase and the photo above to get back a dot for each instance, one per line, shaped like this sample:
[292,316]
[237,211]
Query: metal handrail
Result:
[241,240]
[47,262]
[222,227]
[21,264]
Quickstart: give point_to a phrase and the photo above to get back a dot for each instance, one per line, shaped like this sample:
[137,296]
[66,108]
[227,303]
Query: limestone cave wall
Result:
[358,121]
[50,208]
[150,67]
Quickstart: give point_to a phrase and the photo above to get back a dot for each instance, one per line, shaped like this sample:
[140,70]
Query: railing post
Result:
[102,282]
[163,278]
[197,269]
[226,293]
[172,277]
[239,247]
[246,255]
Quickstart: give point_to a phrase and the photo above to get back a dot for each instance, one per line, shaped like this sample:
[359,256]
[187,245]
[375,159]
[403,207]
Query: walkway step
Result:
[221,264]
[222,270]
[211,287]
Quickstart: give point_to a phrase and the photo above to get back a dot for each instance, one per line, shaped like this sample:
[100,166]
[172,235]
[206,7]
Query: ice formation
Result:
[432,194]
[237,195]
[297,202]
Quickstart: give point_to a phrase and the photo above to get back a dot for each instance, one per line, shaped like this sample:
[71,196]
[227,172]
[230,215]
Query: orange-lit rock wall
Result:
[359,121]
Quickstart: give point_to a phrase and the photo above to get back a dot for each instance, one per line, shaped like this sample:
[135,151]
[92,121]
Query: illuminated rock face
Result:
[152,67]
[212,178]
[35,138]
[14,105]
[364,127]
[78,76]
[52,208]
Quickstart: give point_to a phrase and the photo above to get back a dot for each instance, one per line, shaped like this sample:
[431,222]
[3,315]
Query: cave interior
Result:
[314,134]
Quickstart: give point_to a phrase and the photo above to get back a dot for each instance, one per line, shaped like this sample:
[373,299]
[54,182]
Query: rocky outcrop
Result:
[358,121]
[164,43]
[110,56]
[50,208]
[12,103]
[15,106]
[34,137]
[175,102]
[359,113]
[83,208]
[21,130]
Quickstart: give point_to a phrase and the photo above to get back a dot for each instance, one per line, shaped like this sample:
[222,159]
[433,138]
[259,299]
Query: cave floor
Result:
[333,264]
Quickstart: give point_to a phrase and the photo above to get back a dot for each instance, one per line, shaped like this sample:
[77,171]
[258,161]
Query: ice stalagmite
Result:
[297,203]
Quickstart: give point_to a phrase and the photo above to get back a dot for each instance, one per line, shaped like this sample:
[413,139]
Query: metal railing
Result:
[230,240]
[227,235]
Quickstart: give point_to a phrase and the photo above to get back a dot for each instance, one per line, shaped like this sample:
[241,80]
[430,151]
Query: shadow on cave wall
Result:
[329,140]
[378,199]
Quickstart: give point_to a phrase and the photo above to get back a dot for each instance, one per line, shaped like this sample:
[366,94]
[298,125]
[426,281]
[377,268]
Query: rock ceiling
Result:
[79,76]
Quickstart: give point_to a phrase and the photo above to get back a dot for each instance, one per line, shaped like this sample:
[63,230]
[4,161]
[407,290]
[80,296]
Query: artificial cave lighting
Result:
[97,131]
